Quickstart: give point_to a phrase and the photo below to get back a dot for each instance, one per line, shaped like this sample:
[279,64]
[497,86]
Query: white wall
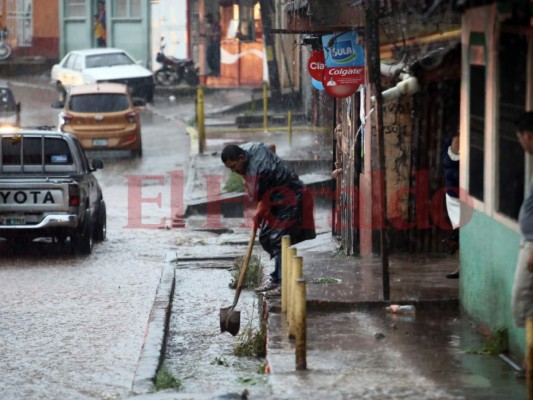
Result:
[169,19]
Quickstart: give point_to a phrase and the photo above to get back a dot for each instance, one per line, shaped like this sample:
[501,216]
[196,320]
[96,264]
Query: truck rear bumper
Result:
[49,221]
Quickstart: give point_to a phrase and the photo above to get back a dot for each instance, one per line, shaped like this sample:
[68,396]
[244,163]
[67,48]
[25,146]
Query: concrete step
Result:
[231,205]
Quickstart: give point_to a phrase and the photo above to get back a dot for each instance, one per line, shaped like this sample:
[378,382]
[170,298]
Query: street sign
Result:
[316,64]
[344,69]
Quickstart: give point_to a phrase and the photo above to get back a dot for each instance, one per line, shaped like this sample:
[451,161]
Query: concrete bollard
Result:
[529,358]
[291,254]
[201,119]
[285,244]
[300,323]
[297,265]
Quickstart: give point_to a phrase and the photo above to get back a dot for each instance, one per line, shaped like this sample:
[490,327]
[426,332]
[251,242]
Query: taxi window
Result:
[99,103]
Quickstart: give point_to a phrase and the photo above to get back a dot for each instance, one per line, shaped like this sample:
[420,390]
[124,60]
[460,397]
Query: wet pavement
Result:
[356,349]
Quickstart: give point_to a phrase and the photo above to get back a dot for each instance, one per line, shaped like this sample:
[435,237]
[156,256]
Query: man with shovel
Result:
[284,205]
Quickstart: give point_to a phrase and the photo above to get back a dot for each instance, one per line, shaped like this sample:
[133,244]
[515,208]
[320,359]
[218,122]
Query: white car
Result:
[79,67]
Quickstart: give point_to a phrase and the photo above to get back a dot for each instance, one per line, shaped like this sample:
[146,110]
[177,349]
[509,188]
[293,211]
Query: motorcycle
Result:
[174,70]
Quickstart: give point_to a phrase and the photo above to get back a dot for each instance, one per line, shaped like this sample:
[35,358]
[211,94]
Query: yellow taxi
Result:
[103,116]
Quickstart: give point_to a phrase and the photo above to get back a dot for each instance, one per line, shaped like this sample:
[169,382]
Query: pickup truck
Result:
[47,189]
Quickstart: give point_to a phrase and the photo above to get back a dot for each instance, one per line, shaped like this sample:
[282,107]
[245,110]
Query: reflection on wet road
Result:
[73,327]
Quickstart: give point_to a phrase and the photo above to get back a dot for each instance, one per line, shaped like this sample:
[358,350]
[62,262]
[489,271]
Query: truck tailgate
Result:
[33,196]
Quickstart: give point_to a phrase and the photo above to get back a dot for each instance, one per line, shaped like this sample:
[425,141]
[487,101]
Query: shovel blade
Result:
[230,320]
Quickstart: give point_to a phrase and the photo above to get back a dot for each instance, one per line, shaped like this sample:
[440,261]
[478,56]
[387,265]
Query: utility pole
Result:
[374,73]
[273,73]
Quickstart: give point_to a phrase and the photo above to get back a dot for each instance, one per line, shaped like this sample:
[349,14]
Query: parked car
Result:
[48,189]
[103,116]
[102,65]
[9,108]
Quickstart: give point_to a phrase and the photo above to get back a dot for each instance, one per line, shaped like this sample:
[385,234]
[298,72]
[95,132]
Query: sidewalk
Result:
[356,350]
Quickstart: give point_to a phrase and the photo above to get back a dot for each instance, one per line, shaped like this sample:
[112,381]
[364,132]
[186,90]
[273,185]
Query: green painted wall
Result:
[130,34]
[489,251]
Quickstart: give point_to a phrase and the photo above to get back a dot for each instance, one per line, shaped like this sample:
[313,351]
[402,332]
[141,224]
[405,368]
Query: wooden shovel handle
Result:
[244,267]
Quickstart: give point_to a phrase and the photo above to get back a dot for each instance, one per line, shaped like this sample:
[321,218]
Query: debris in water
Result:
[397,309]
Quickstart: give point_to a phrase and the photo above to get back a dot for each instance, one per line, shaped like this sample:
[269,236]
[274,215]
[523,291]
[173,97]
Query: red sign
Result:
[316,64]
[339,84]
[341,91]
[344,75]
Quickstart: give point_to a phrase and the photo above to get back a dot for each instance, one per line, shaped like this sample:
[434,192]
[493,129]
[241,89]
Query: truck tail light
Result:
[131,117]
[73,195]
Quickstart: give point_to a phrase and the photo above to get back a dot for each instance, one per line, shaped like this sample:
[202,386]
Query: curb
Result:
[153,348]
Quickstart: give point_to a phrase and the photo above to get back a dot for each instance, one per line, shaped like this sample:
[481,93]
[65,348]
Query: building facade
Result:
[496,86]
[127,25]
[474,68]
[32,27]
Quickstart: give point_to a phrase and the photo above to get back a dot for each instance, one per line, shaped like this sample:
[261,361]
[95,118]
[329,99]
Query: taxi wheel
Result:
[138,153]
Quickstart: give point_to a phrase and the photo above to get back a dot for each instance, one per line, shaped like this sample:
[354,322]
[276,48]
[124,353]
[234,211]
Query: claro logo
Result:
[22,197]
[317,65]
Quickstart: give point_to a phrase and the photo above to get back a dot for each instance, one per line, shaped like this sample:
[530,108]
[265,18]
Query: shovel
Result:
[230,320]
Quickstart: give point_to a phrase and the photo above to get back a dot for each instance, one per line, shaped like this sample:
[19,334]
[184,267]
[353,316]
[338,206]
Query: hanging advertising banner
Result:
[316,65]
[317,84]
[344,69]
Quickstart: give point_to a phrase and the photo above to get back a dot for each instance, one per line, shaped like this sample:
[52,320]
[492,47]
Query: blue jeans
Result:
[276,275]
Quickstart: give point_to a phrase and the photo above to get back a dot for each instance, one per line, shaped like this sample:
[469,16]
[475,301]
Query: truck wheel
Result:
[100,227]
[82,238]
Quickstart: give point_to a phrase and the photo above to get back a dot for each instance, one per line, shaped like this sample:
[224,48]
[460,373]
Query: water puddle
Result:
[197,353]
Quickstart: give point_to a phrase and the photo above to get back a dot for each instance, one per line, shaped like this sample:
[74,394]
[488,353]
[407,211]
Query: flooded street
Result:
[197,352]
[72,327]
